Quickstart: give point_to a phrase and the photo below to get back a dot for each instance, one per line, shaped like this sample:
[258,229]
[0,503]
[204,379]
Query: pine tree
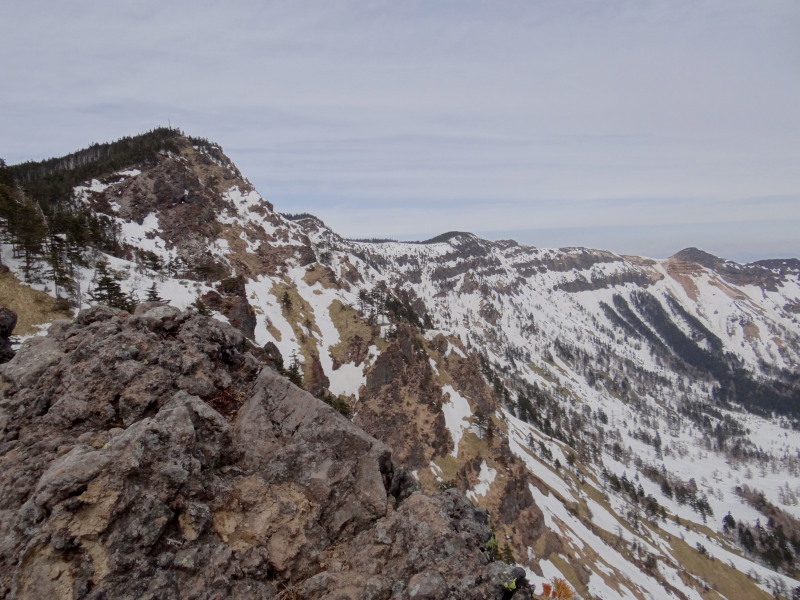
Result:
[108,291]
[201,307]
[152,294]
[30,231]
[60,272]
[286,301]
[482,422]
[151,261]
[294,373]
[5,175]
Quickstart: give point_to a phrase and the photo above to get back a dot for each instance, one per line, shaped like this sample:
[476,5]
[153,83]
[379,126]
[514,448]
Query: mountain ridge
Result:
[162,138]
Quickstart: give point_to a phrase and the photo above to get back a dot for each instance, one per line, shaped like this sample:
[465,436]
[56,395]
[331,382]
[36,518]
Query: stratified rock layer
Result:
[151,456]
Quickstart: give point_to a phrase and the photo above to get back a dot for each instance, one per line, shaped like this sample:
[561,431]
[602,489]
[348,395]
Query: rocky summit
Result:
[151,455]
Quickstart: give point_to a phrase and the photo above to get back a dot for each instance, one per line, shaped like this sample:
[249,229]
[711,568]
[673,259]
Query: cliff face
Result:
[151,456]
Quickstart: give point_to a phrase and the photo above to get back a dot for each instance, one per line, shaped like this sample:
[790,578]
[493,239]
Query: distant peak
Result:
[698,256]
[449,236]
[778,265]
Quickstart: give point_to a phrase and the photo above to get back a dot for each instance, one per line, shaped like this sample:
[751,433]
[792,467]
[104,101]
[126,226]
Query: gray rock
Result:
[121,477]
[68,474]
[428,585]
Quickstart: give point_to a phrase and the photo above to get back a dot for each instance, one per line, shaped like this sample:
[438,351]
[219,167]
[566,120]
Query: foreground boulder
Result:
[151,456]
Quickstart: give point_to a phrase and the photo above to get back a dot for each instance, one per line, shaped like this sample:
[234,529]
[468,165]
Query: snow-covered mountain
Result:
[630,423]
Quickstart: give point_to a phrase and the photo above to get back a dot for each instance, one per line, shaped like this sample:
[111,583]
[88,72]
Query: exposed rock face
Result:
[317,382]
[236,309]
[150,456]
[8,320]
[759,273]
[401,404]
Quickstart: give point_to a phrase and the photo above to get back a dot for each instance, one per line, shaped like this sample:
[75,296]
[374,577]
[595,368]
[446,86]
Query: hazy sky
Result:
[641,127]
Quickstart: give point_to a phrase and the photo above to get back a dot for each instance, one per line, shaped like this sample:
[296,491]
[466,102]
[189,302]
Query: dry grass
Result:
[274,332]
[471,446]
[751,330]
[449,466]
[238,251]
[682,272]
[428,482]
[321,274]
[542,373]
[300,317]
[726,580]
[289,592]
[32,307]
[350,324]
[208,171]
[442,375]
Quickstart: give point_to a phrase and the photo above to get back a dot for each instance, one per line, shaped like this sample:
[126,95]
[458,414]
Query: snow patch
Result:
[456,415]
[485,479]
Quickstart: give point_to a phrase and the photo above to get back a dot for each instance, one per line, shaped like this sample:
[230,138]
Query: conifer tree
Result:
[482,422]
[294,373]
[201,307]
[286,301]
[60,271]
[108,291]
[152,294]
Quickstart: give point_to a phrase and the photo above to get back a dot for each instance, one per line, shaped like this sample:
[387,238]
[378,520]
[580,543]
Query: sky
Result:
[641,127]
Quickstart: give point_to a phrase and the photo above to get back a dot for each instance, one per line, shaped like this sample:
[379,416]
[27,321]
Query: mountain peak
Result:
[450,236]
[695,255]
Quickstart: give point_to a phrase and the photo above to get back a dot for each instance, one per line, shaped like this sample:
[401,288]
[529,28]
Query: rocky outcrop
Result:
[230,300]
[316,381]
[187,189]
[151,456]
[8,320]
[401,403]
[764,274]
